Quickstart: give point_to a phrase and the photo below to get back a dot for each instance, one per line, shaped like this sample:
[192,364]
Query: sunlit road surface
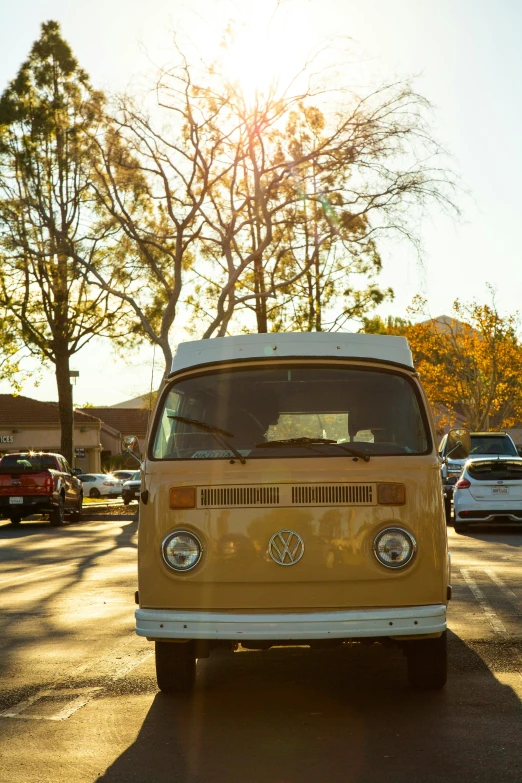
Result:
[90,503]
[79,702]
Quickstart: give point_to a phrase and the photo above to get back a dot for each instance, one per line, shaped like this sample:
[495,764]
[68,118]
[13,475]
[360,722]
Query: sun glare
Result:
[268,49]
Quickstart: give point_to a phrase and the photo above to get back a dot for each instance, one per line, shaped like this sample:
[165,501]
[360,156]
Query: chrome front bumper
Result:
[349,624]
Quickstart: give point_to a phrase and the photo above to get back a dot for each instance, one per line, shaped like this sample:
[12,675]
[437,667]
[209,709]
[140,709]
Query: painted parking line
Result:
[68,700]
[74,700]
[510,595]
[130,665]
[494,620]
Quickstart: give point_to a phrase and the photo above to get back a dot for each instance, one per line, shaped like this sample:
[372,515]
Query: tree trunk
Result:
[65,404]
[310,303]
[167,356]
[261,309]
[317,294]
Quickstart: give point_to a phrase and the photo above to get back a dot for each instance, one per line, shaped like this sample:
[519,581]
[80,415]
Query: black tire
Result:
[94,493]
[57,515]
[460,528]
[126,502]
[447,509]
[428,663]
[76,513]
[175,667]
[15,519]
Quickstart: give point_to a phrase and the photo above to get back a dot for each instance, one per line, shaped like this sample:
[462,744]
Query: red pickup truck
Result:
[36,483]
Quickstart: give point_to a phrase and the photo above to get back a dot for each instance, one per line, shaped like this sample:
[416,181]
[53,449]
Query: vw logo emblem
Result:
[286,547]
[500,482]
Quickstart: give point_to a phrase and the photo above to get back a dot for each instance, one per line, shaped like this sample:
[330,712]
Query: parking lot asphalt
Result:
[78,698]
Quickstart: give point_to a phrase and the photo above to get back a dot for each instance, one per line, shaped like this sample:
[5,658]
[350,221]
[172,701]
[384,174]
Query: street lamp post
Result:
[73,374]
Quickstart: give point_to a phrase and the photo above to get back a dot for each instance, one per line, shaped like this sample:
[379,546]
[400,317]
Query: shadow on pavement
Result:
[299,716]
[31,527]
[38,623]
[495,532]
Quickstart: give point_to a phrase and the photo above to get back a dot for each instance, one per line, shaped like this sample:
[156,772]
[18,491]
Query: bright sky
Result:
[468,61]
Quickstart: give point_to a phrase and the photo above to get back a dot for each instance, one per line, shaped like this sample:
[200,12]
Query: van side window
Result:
[164,443]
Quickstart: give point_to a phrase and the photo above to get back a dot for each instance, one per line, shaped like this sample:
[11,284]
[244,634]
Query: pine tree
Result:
[48,117]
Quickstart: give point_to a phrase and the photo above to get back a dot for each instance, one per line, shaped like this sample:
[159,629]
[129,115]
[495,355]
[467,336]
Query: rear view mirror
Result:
[131,445]
[458,444]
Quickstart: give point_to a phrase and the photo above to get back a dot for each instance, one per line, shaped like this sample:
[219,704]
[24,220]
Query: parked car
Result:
[35,483]
[489,490]
[482,445]
[123,475]
[97,485]
[132,488]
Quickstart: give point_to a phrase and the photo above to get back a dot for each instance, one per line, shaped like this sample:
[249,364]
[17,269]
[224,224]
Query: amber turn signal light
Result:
[391,494]
[182,497]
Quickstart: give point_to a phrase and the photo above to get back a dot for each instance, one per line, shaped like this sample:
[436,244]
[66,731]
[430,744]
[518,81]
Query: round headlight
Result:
[394,547]
[181,550]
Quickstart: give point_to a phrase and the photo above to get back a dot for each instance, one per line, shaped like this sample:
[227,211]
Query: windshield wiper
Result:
[353,452]
[313,441]
[217,432]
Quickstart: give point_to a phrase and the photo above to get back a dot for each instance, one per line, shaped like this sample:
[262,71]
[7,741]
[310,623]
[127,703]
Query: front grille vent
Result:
[225,497]
[332,495]
[287,495]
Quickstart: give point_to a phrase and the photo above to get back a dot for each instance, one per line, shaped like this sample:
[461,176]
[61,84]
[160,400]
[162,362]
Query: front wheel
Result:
[175,666]
[94,493]
[428,663]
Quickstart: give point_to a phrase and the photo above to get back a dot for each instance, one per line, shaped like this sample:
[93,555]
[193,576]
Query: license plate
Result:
[16,500]
[500,491]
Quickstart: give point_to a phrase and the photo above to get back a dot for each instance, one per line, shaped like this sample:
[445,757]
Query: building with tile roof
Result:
[127,421]
[33,425]
[124,421]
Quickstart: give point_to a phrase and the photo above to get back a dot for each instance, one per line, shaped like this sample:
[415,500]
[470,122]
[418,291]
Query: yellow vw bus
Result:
[291,494]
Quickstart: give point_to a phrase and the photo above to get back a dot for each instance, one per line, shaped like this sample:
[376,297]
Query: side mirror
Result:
[458,443]
[131,445]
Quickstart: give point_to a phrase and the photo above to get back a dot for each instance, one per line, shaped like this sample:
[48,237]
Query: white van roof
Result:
[377,347]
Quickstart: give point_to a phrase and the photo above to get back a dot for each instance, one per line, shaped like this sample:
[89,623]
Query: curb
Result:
[109,517]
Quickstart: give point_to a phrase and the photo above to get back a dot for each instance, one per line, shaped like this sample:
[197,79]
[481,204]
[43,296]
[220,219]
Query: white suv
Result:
[488,490]
[483,444]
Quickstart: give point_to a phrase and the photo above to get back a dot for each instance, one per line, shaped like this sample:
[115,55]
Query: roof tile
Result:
[22,410]
[127,421]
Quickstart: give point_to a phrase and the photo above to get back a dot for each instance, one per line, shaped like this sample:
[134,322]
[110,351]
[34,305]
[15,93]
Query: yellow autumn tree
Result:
[470,363]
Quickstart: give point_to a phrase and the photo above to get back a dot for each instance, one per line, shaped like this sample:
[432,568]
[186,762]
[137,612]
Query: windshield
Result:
[27,462]
[487,444]
[378,411]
